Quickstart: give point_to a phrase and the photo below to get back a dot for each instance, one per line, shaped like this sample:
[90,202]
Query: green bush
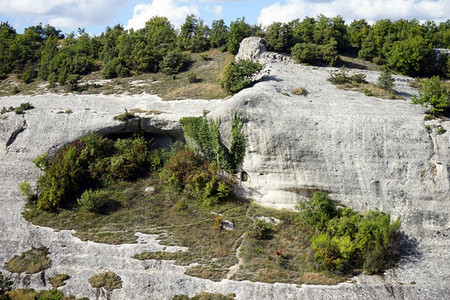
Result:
[174,62]
[344,240]
[26,190]
[5,287]
[260,230]
[125,116]
[52,294]
[15,90]
[95,200]
[433,94]
[192,77]
[20,110]
[441,130]
[72,82]
[189,172]
[91,162]
[385,80]
[239,75]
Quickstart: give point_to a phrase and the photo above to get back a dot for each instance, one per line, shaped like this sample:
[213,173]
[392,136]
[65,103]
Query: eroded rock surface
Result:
[366,152]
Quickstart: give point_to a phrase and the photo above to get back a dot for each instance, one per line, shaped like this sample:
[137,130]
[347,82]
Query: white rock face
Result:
[366,152]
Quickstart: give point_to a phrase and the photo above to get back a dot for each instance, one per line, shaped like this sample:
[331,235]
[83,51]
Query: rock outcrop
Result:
[365,152]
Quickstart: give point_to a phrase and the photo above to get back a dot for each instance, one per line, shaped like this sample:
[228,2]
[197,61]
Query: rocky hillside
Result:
[364,151]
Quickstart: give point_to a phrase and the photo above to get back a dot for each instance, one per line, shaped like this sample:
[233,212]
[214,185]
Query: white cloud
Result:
[163,8]
[217,10]
[371,10]
[63,13]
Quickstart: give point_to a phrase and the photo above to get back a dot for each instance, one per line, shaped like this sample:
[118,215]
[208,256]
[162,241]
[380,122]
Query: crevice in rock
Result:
[16,133]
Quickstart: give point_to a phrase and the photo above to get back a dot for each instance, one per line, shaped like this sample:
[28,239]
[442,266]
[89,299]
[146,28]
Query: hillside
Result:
[366,152]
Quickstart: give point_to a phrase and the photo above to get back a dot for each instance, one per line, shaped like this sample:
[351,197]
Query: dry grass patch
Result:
[301,91]
[147,112]
[58,280]
[205,91]
[206,296]
[31,262]
[107,280]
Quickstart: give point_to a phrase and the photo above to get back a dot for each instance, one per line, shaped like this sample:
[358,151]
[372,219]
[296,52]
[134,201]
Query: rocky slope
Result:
[366,152]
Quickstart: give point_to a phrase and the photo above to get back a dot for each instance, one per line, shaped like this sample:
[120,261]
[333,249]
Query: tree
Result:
[219,34]
[279,37]
[413,56]
[239,30]
[385,80]
[358,30]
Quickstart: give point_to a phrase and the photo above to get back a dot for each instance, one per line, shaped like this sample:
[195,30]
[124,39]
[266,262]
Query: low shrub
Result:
[125,116]
[95,200]
[27,191]
[441,130]
[192,77]
[15,90]
[20,110]
[260,230]
[107,280]
[239,75]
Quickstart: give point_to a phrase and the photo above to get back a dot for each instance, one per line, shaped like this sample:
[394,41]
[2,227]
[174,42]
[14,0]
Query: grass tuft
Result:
[31,262]
[107,280]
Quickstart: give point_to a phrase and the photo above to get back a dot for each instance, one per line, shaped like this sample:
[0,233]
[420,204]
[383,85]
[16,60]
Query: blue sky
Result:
[95,15]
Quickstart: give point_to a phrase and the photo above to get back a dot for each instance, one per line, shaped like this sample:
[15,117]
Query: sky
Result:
[95,15]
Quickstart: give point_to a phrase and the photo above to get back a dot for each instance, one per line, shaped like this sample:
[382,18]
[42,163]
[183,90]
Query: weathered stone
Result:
[365,152]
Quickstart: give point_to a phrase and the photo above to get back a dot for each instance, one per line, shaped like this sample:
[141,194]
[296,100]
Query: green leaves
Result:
[433,94]
[239,75]
[344,240]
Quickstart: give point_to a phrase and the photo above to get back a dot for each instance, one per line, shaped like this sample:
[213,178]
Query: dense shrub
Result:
[260,230]
[94,200]
[89,163]
[174,62]
[433,94]
[239,75]
[313,53]
[344,240]
[189,172]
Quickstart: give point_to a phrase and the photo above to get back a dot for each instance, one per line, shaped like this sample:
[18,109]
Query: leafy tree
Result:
[239,30]
[412,56]
[435,95]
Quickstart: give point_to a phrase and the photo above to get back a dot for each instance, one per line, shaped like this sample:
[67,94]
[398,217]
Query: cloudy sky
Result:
[95,15]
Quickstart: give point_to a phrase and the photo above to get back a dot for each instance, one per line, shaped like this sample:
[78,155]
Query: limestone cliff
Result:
[365,152]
